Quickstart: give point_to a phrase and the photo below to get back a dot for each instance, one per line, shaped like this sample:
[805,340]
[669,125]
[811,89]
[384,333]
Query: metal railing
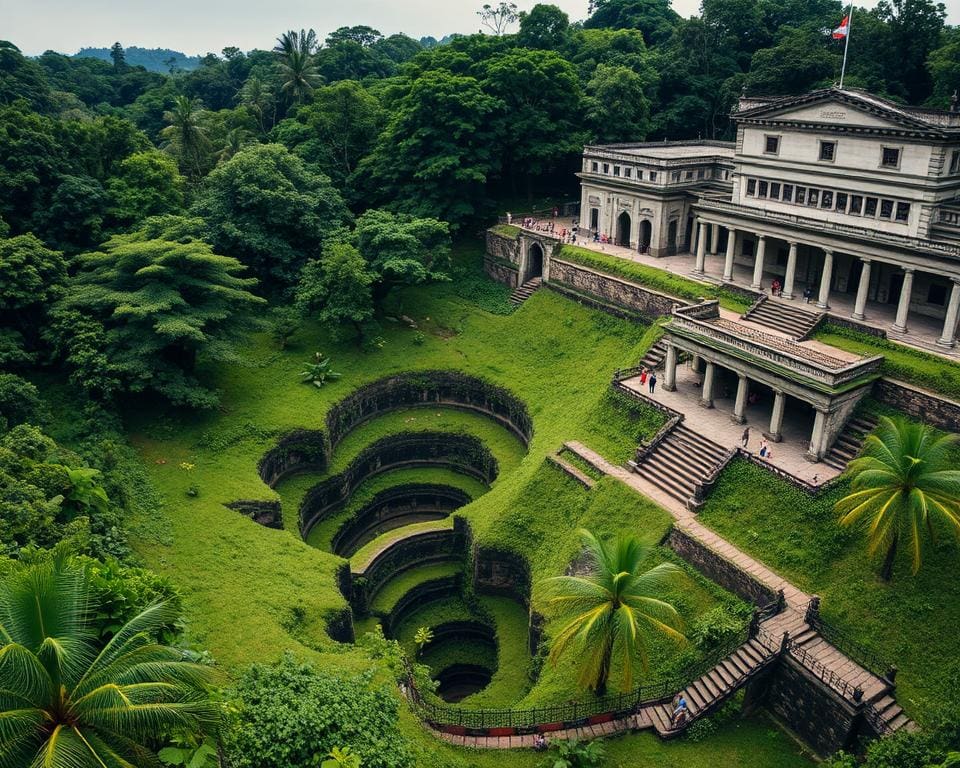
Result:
[848,646]
[570,713]
[821,671]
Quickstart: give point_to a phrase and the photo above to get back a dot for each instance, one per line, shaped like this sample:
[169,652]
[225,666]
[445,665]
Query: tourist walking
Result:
[679,710]
[652,381]
[764,449]
[745,437]
[643,377]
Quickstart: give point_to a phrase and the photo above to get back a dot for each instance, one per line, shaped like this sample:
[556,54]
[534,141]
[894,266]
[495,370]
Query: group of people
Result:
[650,379]
[765,452]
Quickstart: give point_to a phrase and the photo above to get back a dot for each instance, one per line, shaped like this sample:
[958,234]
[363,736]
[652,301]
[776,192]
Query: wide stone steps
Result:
[525,291]
[681,460]
[848,444]
[794,322]
[710,690]
[655,356]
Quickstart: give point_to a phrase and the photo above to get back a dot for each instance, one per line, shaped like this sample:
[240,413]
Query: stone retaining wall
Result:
[498,572]
[503,248]
[266,513]
[718,569]
[501,271]
[924,406]
[610,289]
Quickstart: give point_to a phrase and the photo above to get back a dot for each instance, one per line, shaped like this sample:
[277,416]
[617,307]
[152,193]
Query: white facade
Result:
[836,190]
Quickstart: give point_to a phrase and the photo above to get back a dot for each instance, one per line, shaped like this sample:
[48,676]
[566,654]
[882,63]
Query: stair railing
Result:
[703,487]
[646,447]
[755,306]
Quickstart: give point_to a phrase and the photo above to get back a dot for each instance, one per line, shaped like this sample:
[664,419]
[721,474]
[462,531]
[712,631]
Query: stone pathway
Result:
[369,553]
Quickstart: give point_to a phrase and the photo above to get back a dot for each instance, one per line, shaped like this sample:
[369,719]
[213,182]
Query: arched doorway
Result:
[594,219]
[646,233]
[534,262]
[623,229]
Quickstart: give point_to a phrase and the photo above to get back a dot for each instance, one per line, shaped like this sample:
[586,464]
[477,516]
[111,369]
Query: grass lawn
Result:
[912,621]
[251,593]
[651,277]
[900,361]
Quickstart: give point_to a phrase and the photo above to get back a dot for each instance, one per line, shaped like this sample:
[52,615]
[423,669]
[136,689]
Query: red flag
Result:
[841,32]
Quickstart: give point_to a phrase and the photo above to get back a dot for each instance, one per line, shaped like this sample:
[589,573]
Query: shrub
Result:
[290,712]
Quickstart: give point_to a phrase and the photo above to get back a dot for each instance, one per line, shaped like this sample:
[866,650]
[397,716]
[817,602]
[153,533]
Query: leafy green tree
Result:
[265,207]
[611,611]
[538,126]
[290,712]
[31,158]
[32,278]
[437,152]
[162,304]
[544,26]
[335,131]
[798,63]
[117,56]
[185,136]
[944,66]
[20,402]
[654,18]
[73,217]
[21,78]
[572,753]
[915,26]
[259,101]
[69,703]
[617,106]
[904,489]
[295,59]
[498,18]
[147,184]
[338,288]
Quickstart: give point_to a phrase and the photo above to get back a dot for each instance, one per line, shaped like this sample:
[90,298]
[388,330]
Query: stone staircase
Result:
[784,317]
[681,460]
[525,291]
[655,356]
[709,691]
[850,441]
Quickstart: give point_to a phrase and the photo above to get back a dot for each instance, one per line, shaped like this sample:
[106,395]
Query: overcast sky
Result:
[200,26]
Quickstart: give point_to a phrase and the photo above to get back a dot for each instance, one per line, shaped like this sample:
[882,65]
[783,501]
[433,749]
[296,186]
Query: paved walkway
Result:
[717,425]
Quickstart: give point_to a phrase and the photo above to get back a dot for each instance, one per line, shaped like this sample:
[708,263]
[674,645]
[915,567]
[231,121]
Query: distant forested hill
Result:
[151,59]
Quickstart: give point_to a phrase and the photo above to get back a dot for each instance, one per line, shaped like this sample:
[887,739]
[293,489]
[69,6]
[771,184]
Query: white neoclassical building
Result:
[837,194]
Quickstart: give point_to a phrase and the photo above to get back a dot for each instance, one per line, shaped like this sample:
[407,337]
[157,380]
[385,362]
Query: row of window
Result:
[627,172]
[829,199]
[889,156]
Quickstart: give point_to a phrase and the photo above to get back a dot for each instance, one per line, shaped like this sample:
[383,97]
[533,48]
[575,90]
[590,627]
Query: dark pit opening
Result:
[458,681]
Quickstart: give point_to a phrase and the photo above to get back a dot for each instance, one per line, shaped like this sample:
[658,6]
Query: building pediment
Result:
[834,107]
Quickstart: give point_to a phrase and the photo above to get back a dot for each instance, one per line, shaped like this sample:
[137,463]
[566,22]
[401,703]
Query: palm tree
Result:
[185,135]
[257,98]
[67,703]
[297,67]
[902,486]
[612,609]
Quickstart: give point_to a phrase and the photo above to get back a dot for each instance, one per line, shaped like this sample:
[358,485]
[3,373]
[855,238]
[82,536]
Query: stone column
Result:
[758,262]
[903,308]
[706,396]
[695,363]
[823,300]
[949,336]
[815,453]
[670,369]
[731,249]
[791,272]
[861,304]
[776,418]
[701,248]
[740,406]
[714,239]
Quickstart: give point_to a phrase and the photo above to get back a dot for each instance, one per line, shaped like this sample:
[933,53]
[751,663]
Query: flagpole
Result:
[846,46]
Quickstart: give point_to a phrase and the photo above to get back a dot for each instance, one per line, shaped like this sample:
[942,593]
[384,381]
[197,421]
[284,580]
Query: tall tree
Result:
[295,52]
[611,611]
[269,210]
[944,66]
[118,56]
[546,27]
[654,18]
[337,289]
[147,184]
[67,702]
[904,489]
[915,26]
[185,136]
[617,106]
[498,18]
[163,299]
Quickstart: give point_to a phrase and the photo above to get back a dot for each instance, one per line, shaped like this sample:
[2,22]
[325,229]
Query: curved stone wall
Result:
[396,506]
[310,449]
[420,595]
[462,453]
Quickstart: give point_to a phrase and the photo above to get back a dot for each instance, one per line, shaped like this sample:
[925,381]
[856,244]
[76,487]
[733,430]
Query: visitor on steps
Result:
[652,382]
[745,437]
[775,288]
[680,711]
[643,377]
[807,294]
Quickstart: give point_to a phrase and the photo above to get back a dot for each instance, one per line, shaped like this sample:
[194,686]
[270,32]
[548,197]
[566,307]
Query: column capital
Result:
[792,243]
[955,280]
[908,270]
[762,238]
[741,376]
[865,259]
[828,251]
